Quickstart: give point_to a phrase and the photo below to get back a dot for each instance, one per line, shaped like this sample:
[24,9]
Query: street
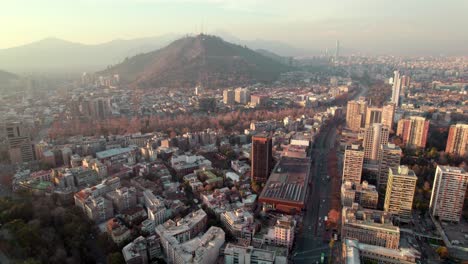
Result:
[312,240]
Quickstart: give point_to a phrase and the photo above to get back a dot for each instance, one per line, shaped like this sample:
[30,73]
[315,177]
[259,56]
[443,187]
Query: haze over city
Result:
[420,27]
[233,131]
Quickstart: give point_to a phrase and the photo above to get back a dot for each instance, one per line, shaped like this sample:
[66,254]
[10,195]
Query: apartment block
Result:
[448,193]
[399,196]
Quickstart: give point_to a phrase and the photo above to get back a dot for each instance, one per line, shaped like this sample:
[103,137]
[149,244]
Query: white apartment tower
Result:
[448,193]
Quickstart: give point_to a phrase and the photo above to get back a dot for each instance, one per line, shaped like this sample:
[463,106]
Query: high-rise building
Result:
[353,162]
[388,114]
[400,192]
[20,148]
[369,226]
[374,136]
[413,131]
[448,193]
[228,97]
[457,142]
[355,114]
[405,83]
[373,115]
[261,157]
[337,51]
[242,95]
[396,89]
[390,158]
[100,108]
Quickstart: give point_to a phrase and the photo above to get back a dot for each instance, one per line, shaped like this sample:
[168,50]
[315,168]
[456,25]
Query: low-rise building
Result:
[364,194]
[182,230]
[369,226]
[236,254]
[240,223]
[355,252]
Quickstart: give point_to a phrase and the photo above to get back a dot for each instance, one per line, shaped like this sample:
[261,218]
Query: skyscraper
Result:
[355,114]
[389,158]
[396,90]
[413,131]
[337,51]
[388,113]
[457,142]
[353,162]
[448,193]
[261,157]
[374,136]
[400,192]
[20,148]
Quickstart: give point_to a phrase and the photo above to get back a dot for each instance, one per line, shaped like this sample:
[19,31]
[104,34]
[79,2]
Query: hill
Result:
[7,80]
[204,59]
[59,56]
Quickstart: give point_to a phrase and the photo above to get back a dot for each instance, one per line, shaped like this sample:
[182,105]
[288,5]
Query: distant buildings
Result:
[413,131]
[399,196]
[396,89]
[287,187]
[448,193]
[186,163]
[457,142]
[369,226]
[20,148]
[374,136]
[242,95]
[258,100]
[364,194]
[228,97]
[353,162]
[261,157]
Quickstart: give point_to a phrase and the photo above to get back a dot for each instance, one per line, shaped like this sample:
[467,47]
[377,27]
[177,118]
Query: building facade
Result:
[457,142]
[448,193]
[413,131]
[399,196]
[353,162]
[374,136]
[261,157]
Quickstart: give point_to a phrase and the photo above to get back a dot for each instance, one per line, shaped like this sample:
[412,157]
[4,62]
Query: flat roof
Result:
[289,180]
[112,152]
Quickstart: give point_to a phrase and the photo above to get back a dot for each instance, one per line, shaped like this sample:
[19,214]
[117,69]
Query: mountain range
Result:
[202,59]
[53,55]
[61,56]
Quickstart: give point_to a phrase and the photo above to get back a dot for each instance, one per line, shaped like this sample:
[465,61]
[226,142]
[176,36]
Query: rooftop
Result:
[112,152]
[289,180]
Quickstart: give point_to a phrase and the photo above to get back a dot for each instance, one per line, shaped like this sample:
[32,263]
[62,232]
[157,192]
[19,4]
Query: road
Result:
[310,242]
[313,239]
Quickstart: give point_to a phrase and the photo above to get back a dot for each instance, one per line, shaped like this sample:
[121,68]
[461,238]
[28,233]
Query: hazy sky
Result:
[365,25]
